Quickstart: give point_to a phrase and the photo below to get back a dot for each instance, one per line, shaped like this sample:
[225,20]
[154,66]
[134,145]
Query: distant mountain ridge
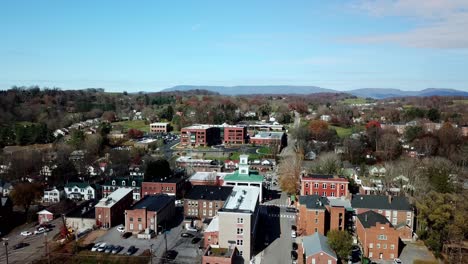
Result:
[377,93]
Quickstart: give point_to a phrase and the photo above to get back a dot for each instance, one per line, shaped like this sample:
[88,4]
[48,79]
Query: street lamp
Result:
[5,243]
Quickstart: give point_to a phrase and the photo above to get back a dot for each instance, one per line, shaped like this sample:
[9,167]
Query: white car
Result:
[102,247]
[397,261]
[121,229]
[293,234]
[95,247]
[40,230]
[26,233]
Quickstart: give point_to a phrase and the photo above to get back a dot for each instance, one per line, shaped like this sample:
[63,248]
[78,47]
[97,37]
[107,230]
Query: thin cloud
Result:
[441,24]
[308,61]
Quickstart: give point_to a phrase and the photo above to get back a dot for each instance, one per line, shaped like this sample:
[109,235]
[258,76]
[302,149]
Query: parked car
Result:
[397,261]
[121,229]
[102,247]
[294,245]
[293,234]
[196,240]
[26,233]
[186,235]
[291,210]
[117,249]
[95,247]
[41,230]
[20,245]
[131,250]
[293,255]
[170,254]
[126,235]
[109,249]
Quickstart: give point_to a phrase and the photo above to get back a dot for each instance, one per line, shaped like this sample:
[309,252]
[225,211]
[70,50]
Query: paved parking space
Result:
[414,251]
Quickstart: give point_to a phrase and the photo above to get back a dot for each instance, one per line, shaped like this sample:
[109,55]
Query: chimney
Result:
[390,198]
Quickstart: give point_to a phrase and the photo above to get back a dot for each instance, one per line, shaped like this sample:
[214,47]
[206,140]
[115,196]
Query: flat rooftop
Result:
[213,226]
[206,175]
[274,135]
[114,197]
[242,199]
[153,203]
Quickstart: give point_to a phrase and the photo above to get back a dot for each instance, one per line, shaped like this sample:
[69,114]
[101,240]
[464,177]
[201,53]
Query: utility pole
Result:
[5,243]
[151,252]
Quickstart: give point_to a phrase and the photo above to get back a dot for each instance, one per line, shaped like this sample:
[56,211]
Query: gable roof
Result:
[44,212]
[78,184]
[381,202]
[371,218]
[317,243]
[217,193]
[128,181]
[313,201]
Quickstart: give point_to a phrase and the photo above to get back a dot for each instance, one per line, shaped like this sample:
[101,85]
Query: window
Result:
[316,185]
[392,246]
[378,245]
[131,226]
[315,230]
[408,215]
[324,193]
[210,213]
[307,185]
[382,237]
[394,221]
[316,212]
[371,245]
[123,183]
[204,204]
[324,185]
[133,183]
[333,194]
[139,219]
[316,220]
[380,211]
[316,193]
[240,252]
[211,205]
[113,182]
[131,220]
[384,246]
[371,255]
[240,242]
[395,213]
[204,212]
[408,222]
[240,220]
[240,231]
[342,186]
[333,186]
[392,255]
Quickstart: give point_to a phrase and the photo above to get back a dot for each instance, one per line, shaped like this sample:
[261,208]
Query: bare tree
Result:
[326,163]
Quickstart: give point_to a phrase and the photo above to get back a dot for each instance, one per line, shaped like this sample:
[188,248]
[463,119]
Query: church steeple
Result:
[244,167]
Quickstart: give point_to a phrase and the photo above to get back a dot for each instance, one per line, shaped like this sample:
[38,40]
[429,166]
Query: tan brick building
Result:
[110,210]
[203,202]
[149,212]
[377,236]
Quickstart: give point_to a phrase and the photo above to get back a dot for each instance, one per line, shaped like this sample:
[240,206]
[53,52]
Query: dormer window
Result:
[133,183]
[113,182]
[123,183]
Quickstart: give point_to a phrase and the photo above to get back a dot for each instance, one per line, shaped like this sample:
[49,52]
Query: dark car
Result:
[291,210]
[196,240]
[186,235]
[293,227]
[126,235]
[293,255]
[131,250]
[20,245]
[170,254]
[294,245]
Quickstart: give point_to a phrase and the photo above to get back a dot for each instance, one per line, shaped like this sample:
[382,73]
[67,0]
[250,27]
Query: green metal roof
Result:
[252,177]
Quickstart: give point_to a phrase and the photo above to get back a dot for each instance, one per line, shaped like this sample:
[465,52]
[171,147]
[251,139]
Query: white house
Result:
[326,118]
[7,188]
[80,191]
[53,195]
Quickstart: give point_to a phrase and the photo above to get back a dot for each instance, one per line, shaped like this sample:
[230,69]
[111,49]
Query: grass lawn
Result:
[136,124]
[264,150]
[346,132]
[460,101]
[358,100]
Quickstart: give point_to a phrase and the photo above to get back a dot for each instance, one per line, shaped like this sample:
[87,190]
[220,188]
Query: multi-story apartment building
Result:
[158,127]
[238,220]
[200,135]
[267,138]
[110,210]
[234,135]
[203,202]
[123,182]
[396,209]
[171,186]
[324,185]
[378,237]
[149,212]
[80,191]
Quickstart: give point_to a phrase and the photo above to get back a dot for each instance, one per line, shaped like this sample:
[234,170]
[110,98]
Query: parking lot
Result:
[186,251]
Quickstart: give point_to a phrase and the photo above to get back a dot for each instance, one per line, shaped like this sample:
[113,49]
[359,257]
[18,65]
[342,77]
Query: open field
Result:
[346,132]
[464,102]
[136,124]
[358,100]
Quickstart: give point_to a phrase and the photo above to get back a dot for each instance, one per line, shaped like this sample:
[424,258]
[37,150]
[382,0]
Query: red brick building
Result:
[234,135]
[110,210]
[378,237]
[214,254]
[200,135]
[324,185]
[149,212]
[320,214]
[396,209]
[171,186]
[203,202]
[267,138]
[316,250]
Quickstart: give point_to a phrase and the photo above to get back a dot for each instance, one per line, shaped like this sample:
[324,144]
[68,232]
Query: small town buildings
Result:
[80,191]
[378,237]
[245,177]
[46,171]
[53,195]
[149,212]
[172,186]
[215,254]
[317,251]
[82,217]
[44,216]
[123,182]
[267,138]
[207,178]
[203,202]
[110,210]
[211,234]
[191,164]
[234,135]
[326,118]
[160,127]
[396,209]
[319,214]
[200,135]
[238,220]
[324,185]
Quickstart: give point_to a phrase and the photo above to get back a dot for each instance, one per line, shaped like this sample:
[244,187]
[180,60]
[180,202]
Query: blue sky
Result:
[151,45]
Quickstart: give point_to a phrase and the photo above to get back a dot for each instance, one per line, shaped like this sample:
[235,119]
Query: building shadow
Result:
[268,227]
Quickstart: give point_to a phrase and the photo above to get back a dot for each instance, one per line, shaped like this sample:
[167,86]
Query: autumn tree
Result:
[373,130]
[318,129]
[327,163]
[289,171]
[388,146]
[24,194]
[341,242]
[109,116]
[449,141]
[134,133]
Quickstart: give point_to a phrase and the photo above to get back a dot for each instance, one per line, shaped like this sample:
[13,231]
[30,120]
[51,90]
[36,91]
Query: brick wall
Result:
[401,217]
[375,248]
[311,221]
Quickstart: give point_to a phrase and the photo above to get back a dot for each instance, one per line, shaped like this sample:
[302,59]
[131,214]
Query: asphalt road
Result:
[34,251]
